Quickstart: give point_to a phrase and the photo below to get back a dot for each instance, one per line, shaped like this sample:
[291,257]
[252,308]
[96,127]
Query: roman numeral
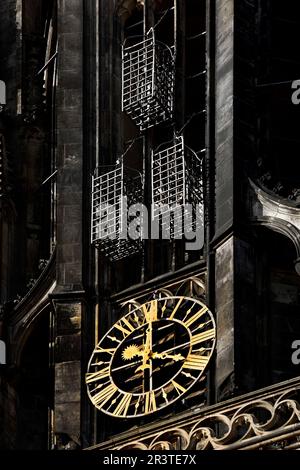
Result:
[179,388]
[176,308]
[125,331]
[193,361]
[150,402]
[165,395]
[195,317]
[204,336]
[139,321]
[136,406]
[98,375]
[101,398]
[99,349]
[150,312]
[122,408]
[113,338]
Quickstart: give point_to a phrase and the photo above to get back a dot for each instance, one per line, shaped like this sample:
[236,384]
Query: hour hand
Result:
[175,357]
[143,367]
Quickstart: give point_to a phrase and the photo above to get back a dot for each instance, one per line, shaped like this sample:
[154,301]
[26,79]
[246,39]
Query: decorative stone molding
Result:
[21,319]
[267,205]
[281,226]
[274,213]
[191,286]
[266,419]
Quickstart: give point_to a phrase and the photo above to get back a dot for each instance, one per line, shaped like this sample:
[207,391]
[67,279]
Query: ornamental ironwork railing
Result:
[147,80]
[267,419]
[177,188]
[112,193]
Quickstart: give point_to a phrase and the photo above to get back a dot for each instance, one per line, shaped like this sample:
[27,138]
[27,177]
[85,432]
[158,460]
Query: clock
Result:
[151,357]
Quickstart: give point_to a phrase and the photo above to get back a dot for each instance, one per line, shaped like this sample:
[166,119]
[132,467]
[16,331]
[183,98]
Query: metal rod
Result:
[196,36]
[134,25]
[131,145]
[261,85]
[296,445]
[270,437]
[189,120]
[163,15]
[274,440]
[200,151]
[49,177]
[130,141]
[204,72]
[47,63]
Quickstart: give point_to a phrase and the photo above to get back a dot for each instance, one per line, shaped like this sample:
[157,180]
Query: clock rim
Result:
[198,301]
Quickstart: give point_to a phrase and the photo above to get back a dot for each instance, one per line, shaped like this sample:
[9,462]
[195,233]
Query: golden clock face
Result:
[151,357]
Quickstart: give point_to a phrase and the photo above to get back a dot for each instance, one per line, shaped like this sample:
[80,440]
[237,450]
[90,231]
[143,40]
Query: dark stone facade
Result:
[58,294]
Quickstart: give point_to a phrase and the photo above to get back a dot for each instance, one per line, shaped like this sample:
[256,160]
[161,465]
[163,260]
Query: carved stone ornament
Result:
[276,214]
[267,419]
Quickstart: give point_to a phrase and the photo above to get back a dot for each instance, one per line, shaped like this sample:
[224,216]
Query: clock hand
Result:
[145,353]
[126,365]
[147,362]
[148,340]
[159,328]
[186,344]
[177,347]
[165,355]
[154,313]
[132,351]
[155,356]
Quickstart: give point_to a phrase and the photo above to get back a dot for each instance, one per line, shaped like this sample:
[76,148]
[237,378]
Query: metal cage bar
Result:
[176,182]
[147,81]
[109,224]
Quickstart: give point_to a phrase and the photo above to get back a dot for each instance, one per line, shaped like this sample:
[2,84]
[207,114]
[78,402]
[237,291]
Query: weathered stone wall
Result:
[10,50]
[224,114]
[69,145]
[67,425]
[234,267]
[224,197]
[10,68]
[8,415]
[10,73]
[68,315]
[224,282]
